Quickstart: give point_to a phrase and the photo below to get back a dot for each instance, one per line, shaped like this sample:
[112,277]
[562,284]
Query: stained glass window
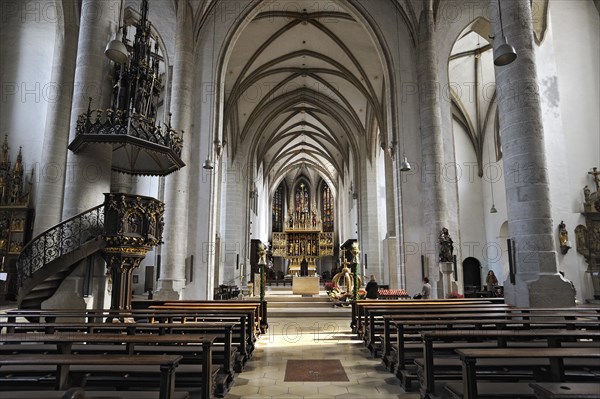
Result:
[277,216]
[327,209]
[302,198]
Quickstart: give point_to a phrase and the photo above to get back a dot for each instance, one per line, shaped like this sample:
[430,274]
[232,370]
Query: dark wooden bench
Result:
[202,374]
[278,281]
[227,349]
[566,390]
[556,357]
[163,316]
[79,393]
[433,342]
[167,363]
[405,326]
[377,321]
[358,307]
[474,337]
[372,315]
[260,308]
[170,314]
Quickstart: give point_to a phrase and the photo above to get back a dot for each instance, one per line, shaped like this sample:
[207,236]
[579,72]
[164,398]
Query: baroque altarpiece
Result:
[15,217]
[304,235]
[588,236]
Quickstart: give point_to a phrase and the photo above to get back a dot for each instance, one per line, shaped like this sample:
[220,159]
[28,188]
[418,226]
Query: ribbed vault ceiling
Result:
[303,87]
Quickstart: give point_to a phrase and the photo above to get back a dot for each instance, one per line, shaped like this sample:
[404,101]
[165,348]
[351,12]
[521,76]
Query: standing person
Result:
[372,288]
[426,290]
[491,281]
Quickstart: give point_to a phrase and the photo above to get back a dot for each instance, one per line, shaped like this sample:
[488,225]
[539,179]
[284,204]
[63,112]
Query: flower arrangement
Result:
[454,294]
[330,286]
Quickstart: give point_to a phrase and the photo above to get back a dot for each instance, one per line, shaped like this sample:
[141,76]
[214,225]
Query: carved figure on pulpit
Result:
[596,176]
[586,194]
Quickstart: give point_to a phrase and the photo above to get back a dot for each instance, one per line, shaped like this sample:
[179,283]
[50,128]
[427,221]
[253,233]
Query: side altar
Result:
[302,242]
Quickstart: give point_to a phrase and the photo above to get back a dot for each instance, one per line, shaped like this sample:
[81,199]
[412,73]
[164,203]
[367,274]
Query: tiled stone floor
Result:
[314,338]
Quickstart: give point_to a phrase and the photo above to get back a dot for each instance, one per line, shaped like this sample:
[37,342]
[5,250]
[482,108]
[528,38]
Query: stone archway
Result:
[471,275]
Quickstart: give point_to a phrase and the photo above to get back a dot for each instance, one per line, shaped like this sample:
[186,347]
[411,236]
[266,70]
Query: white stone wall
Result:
[568,65]
[27,36]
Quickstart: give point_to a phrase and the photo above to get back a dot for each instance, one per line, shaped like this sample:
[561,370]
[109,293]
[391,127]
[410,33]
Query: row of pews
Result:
[483,348]
[156,350]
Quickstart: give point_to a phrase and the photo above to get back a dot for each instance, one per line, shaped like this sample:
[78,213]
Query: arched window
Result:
[277,211]
[327,209]
[302,198]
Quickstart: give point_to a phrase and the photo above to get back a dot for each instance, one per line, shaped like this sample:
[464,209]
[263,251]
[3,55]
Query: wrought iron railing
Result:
[122,123]
[59,240]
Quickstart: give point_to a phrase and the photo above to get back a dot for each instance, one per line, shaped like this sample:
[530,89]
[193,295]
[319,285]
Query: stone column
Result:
[172,271]
[434,193]
[447,269]
[123,183]
[530,222]
[88,172]
[50,190]
[369,216]
[390,256]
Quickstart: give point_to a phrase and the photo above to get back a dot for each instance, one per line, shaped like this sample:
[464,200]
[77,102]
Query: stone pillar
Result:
[123,183]
[432,151]
[389,255]
[172,272]
[235,219]
[390,204]
[369,214]
[88,172]
[50,190]
[530,222]
[447,268]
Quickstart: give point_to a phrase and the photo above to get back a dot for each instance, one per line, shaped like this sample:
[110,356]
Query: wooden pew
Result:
[469,387]
[76,393]
[358,305]
[563,390]
[499,338]
[367,312]
[260,316]
[66,341]
[375,318]
[172,314]
[225,350]
[224,354]
[407,374]
[159,315]
[167,364]
[435,321]
[169,314]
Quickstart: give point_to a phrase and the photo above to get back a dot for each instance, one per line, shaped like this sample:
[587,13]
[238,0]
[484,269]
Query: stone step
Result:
[329,312]
[293,304]
[282,303]
[297,298]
